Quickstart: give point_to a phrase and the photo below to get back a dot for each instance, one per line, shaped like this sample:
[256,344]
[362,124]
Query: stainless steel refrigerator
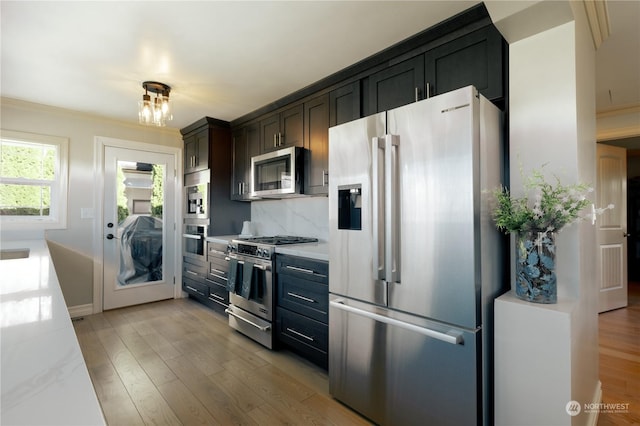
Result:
[415,261]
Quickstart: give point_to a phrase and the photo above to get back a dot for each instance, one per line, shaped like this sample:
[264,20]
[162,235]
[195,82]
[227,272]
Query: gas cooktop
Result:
[278,240]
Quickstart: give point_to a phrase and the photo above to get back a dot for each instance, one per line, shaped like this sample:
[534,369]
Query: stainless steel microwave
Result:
[277,174]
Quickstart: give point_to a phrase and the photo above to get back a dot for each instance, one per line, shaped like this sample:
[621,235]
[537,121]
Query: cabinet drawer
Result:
[194,272]
[218,273]
[216,249]
[305,297]
[304,334]
[195,288]
[219,295]
[308,269]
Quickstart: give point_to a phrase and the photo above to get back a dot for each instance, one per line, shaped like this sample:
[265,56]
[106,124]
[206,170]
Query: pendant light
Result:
[155,112]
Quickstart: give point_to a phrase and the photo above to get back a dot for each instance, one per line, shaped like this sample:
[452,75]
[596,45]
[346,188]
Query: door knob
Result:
[110,237]
[626,235]
[109,225]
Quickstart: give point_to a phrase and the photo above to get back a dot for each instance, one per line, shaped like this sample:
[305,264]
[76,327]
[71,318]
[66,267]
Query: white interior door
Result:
[138,235]
[611,188]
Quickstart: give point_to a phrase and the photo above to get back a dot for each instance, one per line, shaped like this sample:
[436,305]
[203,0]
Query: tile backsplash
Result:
[306,217]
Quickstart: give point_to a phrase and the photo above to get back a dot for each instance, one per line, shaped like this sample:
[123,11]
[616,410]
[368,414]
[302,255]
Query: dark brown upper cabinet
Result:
[196,151]
[282,129]
[345,104]
[246,144]
[316,132]
[474,59]
[397,85]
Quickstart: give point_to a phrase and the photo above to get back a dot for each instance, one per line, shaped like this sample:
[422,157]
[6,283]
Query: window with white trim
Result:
[33,181]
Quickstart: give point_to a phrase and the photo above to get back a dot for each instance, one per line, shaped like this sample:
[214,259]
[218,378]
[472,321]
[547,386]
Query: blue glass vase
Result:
[536,267]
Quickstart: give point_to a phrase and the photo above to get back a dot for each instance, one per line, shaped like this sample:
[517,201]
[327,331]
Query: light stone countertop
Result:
[44,377]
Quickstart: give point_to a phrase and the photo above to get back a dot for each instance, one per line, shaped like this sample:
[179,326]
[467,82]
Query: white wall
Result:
[552,121]
[81,129]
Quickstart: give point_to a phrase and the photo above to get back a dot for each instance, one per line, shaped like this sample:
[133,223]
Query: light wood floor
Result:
[619,338]
[177,362]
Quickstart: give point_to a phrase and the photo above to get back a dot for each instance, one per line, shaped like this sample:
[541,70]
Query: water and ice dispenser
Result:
[350,207]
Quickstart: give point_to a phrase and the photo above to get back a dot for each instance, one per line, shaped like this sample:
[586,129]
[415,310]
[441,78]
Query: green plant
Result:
[544,208]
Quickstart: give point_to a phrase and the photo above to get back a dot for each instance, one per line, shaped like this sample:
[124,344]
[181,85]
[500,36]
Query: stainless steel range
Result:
[251,284]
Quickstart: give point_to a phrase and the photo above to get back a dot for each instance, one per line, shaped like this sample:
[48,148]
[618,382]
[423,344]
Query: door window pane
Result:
[140,199]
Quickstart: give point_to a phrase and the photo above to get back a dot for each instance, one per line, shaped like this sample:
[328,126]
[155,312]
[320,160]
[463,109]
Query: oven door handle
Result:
[261,328]
[265,267]
[192,236]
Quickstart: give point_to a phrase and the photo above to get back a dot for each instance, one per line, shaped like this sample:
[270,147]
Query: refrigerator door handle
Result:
[392,206]
[377,210]
[453,337]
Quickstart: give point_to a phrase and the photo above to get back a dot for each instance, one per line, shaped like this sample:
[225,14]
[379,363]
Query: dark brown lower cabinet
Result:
[302,308]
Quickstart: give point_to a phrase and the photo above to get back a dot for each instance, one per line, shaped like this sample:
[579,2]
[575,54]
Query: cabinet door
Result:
[291,127]
[189,153]
[397,85]
[246,144]
[282,130]
[196,151]
[202,153]
[344,104]
[240,162]
[269,133]
[474,59]
[316,125]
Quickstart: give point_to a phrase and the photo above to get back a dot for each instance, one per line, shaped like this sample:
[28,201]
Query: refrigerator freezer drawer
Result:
[397,369]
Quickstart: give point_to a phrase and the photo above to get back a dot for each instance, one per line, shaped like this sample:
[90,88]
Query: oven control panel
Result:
[253,250]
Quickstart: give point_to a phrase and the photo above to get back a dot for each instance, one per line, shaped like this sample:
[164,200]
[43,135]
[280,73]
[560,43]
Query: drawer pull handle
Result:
[297,296]
[297,333]
[219,277]
[191,272]
[218,302]
[194,290]
[304,271]
[216,296]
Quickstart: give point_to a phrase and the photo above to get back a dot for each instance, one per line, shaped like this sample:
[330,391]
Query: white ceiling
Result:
[226,59]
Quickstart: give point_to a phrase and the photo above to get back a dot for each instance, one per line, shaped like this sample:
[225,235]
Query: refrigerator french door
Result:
[415,261]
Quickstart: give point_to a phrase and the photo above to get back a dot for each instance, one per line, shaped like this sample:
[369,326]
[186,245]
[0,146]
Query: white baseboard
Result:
[597,399]
[80,310]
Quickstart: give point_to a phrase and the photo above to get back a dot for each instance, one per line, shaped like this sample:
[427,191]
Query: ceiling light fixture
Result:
[158,111]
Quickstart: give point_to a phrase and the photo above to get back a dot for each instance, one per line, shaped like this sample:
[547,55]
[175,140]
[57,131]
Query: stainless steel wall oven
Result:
[194,244]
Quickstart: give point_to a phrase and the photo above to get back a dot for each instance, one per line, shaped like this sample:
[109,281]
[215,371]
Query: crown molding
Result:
[598,17]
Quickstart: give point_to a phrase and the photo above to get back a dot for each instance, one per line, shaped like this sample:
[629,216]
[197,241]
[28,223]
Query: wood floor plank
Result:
[242,395]
[146,397]
[217,402]
[184,403]
[92,349]
[117,406]
[279,390]
[619,346]
[160,345]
